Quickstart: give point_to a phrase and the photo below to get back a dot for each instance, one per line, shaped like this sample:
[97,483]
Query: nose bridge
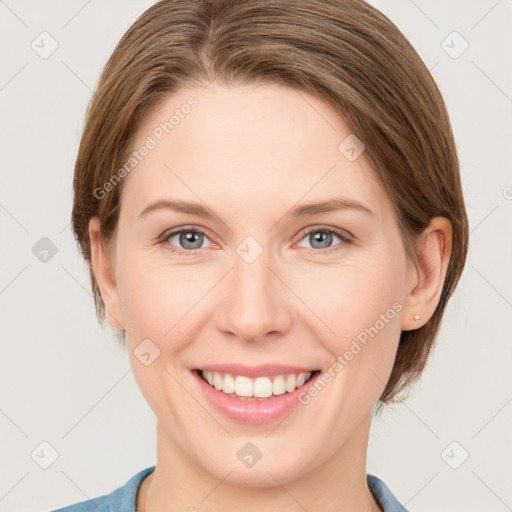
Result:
[252,304]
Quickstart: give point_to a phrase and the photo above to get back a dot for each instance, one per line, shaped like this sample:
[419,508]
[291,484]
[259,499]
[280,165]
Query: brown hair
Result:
[343,51]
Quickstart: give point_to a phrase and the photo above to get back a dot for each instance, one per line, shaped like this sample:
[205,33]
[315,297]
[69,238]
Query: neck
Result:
[180,483]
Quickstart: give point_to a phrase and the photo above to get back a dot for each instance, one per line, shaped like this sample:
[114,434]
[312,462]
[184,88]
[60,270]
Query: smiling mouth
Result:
[255,389]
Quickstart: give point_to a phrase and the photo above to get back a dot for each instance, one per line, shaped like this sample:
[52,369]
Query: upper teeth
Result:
[260,387]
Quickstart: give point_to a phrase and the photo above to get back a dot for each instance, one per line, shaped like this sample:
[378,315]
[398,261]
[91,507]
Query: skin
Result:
[251,153]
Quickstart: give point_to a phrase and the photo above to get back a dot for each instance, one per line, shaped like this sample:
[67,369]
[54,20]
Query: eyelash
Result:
[343,235]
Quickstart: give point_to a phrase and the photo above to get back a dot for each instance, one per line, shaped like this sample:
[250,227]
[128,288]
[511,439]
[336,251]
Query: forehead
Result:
[248,144]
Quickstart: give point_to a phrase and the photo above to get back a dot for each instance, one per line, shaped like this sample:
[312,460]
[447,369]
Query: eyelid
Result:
[344,235]
[191,227]
[174,231]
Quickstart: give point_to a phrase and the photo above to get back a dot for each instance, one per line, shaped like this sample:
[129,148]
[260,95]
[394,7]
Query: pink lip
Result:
[255,412]
[262,370]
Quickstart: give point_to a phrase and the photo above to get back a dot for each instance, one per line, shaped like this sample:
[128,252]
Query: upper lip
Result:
[262,370]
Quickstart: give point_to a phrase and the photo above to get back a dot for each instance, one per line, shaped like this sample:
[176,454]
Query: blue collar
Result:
[124,498]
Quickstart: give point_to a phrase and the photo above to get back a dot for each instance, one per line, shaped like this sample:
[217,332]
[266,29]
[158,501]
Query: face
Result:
[251,277]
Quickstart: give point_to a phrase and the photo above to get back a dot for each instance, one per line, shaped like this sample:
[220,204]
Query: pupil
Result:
[189,240]
[324,239]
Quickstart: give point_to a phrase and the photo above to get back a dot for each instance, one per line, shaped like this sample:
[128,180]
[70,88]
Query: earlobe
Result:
[105,276]
[428,275]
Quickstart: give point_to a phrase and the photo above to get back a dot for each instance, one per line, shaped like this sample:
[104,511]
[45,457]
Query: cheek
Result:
[357,303]
[156,300]
[154,297]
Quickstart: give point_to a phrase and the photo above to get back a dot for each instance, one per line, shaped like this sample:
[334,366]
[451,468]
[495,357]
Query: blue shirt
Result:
[123,499]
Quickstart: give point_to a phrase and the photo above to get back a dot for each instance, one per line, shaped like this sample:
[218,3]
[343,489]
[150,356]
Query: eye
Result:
[189,240]
[324,238]
[186,240]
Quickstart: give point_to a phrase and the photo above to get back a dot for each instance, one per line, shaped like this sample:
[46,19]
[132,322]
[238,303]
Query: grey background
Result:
[67,383]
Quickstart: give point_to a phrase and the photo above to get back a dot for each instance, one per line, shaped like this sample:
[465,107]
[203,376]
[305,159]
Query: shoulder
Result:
[383,495]
[120,500]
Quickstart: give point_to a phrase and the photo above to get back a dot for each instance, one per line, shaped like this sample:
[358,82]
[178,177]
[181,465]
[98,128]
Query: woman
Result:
[268,196]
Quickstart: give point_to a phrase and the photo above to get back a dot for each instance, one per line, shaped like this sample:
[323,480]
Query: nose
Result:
[254,303]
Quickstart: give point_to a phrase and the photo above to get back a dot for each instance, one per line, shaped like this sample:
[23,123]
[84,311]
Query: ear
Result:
[426,278]
[105,275]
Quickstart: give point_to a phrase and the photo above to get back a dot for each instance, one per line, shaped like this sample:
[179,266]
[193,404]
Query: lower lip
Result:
[253,411]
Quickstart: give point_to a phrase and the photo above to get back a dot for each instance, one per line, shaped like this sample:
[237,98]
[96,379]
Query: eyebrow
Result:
[339,203]
[298,211]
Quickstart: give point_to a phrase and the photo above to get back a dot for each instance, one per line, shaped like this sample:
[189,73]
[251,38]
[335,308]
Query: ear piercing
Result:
[416,317]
